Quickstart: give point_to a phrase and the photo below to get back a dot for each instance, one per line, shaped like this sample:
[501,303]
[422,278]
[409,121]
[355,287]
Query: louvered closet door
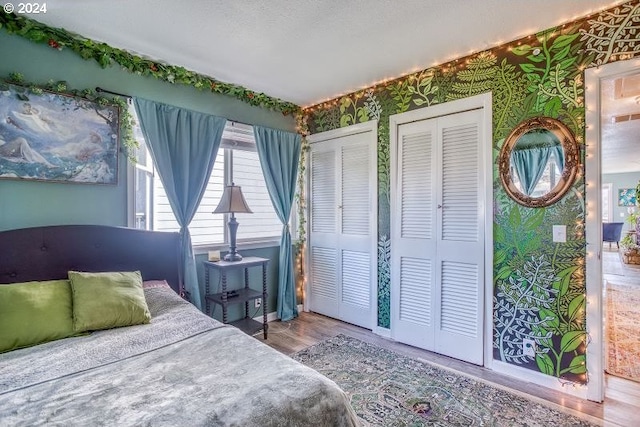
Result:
[355,240]
[413,234]
[460,245]
[437,236]
[342,220]
[323,224]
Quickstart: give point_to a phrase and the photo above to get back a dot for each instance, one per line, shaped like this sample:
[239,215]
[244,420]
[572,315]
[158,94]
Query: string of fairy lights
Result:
[459,63]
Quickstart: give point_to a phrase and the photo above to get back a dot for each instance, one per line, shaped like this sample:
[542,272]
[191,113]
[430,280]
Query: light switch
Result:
[560,233]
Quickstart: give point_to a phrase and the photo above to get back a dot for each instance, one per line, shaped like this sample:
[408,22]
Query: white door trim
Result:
[595,324]
[484,102]
[371,127]
[609,187]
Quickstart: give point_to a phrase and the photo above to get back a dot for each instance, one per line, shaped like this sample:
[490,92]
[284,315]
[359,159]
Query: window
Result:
[607,205]
[237,161]
[143,180]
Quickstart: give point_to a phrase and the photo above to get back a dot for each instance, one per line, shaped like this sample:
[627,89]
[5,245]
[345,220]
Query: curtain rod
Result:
[99,89]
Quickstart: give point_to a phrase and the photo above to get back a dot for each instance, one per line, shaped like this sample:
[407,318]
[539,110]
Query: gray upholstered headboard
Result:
[43,253]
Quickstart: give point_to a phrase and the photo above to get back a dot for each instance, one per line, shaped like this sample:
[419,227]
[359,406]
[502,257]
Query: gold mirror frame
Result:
[569,172]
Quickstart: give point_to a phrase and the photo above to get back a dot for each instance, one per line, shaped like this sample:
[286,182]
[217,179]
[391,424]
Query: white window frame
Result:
[229,145]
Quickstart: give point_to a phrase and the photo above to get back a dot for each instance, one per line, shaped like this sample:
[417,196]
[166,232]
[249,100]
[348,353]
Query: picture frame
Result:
[57,137]
[626,196]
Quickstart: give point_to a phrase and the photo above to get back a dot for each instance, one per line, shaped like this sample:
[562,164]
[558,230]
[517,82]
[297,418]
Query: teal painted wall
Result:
[29,203]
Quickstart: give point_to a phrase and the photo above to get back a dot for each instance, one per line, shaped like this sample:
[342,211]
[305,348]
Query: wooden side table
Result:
[236,294]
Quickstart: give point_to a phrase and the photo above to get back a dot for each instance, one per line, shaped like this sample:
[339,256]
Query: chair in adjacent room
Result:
[611,232]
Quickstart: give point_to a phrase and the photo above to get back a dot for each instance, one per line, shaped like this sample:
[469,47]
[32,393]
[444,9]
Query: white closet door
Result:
[323,252]
[437,236]
[413,234]
[355,241]
[460,245]
[343,224]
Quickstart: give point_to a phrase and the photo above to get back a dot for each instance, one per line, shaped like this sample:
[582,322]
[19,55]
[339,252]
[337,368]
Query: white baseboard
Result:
[274,315]
[527,375]
[383,332]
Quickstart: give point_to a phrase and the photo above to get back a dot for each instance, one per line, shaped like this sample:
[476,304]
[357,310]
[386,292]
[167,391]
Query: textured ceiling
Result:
[307,51]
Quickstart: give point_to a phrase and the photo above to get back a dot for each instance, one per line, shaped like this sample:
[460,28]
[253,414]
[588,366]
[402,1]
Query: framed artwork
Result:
[626,196]
[47,136]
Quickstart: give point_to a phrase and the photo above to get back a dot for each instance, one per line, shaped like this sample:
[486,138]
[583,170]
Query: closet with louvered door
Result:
[437,228]
[342,225]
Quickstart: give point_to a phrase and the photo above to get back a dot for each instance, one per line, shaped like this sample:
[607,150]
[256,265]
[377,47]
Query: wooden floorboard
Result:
[620,408]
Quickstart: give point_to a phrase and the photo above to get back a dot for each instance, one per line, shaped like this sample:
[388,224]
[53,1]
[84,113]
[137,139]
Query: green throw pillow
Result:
[107,300]
[34,312]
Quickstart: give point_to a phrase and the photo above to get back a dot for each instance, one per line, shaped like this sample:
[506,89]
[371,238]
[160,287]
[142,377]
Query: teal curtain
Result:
[558,155]
[183,145]
[279,153]
[530,164]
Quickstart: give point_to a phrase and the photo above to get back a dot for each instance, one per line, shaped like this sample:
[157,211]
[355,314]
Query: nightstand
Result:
[237,294]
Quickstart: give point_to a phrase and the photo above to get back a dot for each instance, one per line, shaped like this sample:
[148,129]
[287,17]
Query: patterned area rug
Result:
[623,330]
[388,389]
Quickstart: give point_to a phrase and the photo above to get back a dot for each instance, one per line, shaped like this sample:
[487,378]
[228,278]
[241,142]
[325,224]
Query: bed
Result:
[183,368]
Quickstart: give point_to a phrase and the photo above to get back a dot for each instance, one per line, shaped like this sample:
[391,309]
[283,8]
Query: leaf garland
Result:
[128,143]
[303,129]
[105,56]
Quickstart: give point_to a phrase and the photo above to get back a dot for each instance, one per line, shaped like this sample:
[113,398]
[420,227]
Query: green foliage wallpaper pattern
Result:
[539,285]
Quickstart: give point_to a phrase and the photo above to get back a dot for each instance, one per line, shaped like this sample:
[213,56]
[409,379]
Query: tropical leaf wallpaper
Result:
[539,285]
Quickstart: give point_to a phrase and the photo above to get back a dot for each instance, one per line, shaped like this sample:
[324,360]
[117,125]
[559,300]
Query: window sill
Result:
[224,247]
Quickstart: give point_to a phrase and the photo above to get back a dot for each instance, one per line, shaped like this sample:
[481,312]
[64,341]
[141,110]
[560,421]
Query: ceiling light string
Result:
[458,63]
[412,75]
[453,65]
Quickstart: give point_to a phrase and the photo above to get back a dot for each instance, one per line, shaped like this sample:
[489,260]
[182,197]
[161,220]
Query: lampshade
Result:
[232,201]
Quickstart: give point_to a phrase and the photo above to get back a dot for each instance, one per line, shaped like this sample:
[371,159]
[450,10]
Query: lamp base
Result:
[233,228]
[233,257]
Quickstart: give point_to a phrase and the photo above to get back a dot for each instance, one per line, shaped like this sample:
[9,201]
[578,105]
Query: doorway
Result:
[612,173]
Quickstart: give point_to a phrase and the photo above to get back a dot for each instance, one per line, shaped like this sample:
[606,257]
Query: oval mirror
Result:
[538,162]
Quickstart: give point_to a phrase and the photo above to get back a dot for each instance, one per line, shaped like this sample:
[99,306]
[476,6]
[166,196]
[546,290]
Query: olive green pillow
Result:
[34,312]
[107,300]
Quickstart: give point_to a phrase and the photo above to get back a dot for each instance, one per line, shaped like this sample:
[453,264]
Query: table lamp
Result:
[232,202]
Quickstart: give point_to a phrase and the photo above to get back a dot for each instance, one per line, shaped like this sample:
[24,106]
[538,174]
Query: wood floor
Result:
[620,408]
